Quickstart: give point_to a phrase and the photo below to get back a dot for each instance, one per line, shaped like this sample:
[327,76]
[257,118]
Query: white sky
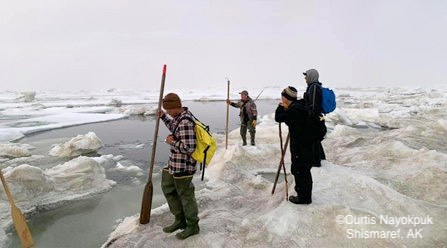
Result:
[103,44]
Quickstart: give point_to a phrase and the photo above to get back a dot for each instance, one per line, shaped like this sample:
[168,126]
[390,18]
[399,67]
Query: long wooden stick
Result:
[228,113]
[17,217]
[146,203]
[281,162]
[285,179]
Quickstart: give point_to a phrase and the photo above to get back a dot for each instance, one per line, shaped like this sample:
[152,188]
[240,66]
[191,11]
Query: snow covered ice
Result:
[35,189]
[13,150]
[27,96]
[386,155]
[81,144]
[51,110]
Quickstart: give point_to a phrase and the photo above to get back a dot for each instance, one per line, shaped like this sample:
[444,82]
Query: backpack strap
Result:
[181,119]
[315,92]
[207,128]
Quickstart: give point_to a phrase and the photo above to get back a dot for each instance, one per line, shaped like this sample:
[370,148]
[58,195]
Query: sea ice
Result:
[14,150]
[35,189]
[81,144]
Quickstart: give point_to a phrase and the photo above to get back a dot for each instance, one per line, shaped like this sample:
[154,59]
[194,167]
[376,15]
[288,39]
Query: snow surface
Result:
[81,144]
[236,208]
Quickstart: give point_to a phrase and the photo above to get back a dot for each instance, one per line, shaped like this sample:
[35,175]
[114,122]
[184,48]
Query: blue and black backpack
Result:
[328,103]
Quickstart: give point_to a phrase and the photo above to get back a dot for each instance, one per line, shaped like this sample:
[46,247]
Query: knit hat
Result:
[172,101]
[290,93]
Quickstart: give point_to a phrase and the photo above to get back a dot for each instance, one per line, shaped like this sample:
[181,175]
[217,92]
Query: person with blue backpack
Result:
[317,101]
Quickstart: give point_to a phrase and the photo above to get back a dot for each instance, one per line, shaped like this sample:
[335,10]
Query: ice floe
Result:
[81,144]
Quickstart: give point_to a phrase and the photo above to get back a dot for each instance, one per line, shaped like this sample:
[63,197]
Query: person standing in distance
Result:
[248,115]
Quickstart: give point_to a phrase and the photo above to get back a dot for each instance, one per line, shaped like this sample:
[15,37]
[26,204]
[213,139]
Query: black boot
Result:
[299,200]
[178,224]
[244,140]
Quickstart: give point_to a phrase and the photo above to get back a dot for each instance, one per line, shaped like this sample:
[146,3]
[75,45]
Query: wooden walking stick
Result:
[146,203]
[281,162]
[17,217]
[228,112]
[285,179]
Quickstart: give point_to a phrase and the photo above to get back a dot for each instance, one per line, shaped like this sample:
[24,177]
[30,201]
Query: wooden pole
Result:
[281,162]
[17,217]
[146,203]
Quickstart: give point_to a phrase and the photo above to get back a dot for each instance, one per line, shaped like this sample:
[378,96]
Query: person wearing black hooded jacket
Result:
[295,115]
[312,102]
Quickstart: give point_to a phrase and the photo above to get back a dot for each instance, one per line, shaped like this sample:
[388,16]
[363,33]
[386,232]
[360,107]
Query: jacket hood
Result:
[311,76]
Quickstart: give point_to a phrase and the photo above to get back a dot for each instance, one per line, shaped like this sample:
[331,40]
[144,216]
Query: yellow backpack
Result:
[205,144]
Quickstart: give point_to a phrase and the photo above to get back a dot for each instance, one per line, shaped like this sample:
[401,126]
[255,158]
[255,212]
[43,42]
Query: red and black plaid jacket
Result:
[182,127]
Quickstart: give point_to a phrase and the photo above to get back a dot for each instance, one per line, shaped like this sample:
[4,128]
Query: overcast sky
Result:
[103,44]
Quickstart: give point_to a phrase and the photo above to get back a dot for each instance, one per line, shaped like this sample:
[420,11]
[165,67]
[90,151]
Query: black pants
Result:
[317,154]
[301,165]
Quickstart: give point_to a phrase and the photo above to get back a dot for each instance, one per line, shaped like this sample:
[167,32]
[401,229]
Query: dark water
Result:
[87,223]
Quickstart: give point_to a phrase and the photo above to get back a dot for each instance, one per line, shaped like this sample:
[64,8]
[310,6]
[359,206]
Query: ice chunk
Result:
[78,174]
[137,110]
[341,131]
[339,116]
[27,96]
[81,144]
[128,169]
[13,150]
[29,182]
[116,103]
[35,189]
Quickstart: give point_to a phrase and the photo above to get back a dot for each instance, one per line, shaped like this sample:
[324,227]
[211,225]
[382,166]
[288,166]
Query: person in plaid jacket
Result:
[176,181]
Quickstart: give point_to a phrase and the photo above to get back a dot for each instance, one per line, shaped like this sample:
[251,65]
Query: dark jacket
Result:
[312,99]
[296,118]
[304,132]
